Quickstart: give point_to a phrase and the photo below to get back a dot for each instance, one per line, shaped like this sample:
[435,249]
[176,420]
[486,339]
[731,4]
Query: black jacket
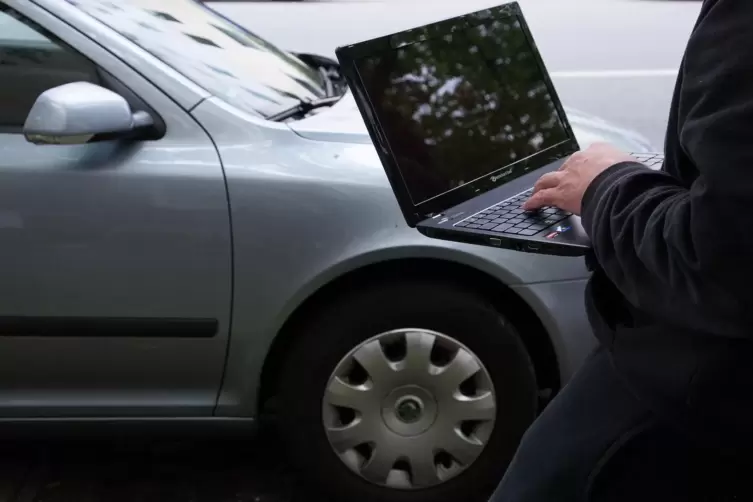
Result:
[671,295]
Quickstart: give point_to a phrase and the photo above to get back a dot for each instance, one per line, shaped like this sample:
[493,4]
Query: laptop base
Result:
[571,241]
[489,221]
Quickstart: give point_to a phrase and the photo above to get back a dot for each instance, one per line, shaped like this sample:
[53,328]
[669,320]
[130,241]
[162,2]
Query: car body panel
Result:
[97,235]
[559,305]
[285,194]
[308,202]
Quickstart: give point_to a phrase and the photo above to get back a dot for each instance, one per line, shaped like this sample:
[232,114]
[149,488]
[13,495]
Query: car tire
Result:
[408,314]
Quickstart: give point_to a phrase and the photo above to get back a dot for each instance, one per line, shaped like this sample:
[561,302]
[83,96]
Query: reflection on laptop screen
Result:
[461,105]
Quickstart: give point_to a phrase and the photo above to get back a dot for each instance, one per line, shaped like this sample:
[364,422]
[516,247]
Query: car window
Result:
[225,59]
[32,60]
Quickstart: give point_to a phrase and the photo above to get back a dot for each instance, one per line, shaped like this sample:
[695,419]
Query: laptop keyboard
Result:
[652,160]
[508,217]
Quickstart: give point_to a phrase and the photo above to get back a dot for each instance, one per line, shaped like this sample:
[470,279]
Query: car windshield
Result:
[218,55]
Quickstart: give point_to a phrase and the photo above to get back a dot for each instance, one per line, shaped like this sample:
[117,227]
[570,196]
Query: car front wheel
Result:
[416,391]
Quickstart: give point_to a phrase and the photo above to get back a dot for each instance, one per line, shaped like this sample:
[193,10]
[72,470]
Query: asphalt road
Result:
[614,58]
[147,470]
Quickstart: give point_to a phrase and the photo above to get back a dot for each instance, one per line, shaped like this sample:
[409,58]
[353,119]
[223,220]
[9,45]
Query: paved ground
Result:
[145,471]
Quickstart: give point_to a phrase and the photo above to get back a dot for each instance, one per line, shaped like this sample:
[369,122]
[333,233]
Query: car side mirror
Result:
[74,113]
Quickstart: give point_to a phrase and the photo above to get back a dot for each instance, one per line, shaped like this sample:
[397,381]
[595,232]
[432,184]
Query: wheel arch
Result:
[535,336]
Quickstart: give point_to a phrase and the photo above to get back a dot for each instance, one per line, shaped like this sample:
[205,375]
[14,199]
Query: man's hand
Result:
[565,187]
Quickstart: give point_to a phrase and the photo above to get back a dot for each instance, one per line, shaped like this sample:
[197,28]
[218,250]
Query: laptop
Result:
[465,119]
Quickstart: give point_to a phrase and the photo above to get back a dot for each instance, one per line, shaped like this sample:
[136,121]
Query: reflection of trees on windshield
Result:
[475,98]
[225,59]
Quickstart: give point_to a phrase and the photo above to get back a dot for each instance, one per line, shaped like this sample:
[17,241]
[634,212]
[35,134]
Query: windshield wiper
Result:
[303,108]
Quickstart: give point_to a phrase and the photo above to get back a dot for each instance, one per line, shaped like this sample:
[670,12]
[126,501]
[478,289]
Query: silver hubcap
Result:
[409,408]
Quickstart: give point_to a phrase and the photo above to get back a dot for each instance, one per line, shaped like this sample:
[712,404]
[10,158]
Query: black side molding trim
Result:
[108,327]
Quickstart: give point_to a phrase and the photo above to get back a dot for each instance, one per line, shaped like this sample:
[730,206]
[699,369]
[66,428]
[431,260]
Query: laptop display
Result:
[465,119]
[461,104]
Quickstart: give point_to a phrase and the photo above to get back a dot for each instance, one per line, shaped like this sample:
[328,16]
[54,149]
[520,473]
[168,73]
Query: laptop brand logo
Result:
[501,175]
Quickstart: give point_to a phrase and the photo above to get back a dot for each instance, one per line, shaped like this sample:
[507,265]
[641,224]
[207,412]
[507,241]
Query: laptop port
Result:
[494,241]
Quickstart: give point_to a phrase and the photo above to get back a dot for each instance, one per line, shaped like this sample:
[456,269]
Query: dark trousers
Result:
[597,442]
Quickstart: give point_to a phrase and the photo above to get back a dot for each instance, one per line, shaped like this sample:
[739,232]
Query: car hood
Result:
[343,123]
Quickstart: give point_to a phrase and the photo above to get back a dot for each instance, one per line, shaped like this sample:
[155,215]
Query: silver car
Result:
[172,255]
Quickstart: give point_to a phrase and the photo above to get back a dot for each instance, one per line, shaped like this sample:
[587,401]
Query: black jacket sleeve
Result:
[679,246]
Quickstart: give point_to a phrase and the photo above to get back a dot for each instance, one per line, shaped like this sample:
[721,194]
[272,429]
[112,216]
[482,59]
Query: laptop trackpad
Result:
[568,231]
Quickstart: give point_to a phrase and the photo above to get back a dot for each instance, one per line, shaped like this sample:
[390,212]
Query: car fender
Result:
[307,212]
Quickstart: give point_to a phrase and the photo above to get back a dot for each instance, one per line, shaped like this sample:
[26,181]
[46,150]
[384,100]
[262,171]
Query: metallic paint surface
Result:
[144,230]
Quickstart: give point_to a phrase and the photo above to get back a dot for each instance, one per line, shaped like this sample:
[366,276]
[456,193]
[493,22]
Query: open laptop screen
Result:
[462,104]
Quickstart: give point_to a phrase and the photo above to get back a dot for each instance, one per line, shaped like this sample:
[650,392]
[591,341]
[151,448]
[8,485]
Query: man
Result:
[665,406]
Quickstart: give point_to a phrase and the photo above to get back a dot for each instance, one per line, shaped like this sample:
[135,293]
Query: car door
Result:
[115,256]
